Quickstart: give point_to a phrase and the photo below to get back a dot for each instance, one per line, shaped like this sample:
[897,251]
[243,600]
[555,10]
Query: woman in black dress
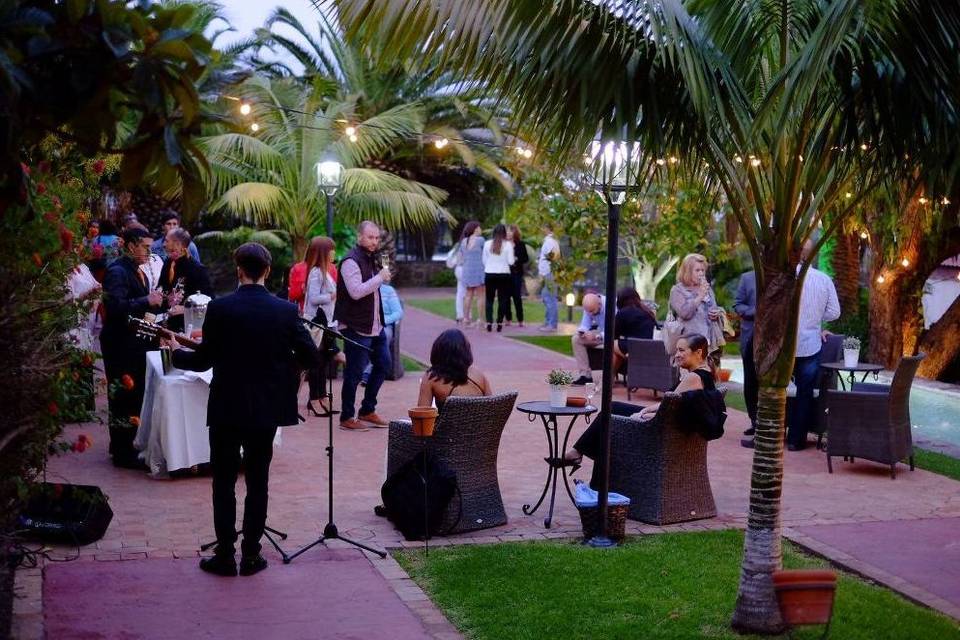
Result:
[516,273]
[634,320]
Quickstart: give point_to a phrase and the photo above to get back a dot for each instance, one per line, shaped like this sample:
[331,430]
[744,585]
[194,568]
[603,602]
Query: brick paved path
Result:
[169,518]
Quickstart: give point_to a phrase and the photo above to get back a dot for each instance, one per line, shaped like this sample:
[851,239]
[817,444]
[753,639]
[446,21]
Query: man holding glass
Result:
[359,312]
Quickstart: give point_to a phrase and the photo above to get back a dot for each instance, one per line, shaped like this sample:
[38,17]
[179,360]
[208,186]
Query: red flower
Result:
[82,444]
[135,421]
[99,166]
[44,166]
[66,238]
[56,202]
[41,188]
[52,408]
[37,260]
[50,217]
[127,382]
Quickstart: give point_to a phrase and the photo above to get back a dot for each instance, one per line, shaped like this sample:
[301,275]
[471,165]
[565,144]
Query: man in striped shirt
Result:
[818,304]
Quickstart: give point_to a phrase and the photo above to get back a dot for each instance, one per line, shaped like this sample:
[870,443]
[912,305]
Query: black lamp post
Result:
[329,180]
[613,167]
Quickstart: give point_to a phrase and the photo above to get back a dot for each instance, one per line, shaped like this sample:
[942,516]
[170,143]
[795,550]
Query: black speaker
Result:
[66,514]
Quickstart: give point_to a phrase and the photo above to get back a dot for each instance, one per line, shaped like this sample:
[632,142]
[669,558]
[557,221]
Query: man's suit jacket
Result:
[257,345]
[124,294]
[745,304]
[195,277]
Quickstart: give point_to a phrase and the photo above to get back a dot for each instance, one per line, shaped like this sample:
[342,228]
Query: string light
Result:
[440,143]
[801,157]
[254,127]
[864,235]
[738,159]
[661,162]
[945,201]
[755,162]
[848,195]
[528,153]
[881,279]
[864,147]
[352,137]
[905,262]
[674,159]
[244,109]
[922,200]
[350,131]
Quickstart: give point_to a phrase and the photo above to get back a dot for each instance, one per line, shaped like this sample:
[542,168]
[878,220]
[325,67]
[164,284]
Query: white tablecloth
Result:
[173,419]
[173,430]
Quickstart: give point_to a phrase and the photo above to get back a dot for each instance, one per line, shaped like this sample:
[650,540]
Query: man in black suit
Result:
[181,276]
[745,304]
[125,293]
[257,345]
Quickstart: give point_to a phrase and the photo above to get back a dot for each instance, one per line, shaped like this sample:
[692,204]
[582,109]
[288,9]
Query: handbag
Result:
[672,331]
[455,257]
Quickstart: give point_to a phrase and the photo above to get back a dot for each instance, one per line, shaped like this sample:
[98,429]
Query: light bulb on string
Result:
[440,143]
[528,153]
[738,159]
[350,130]
[754,162]
[254,127]
[905,262]
[244,109]
[661,162]
[864,235]
[881,279]
[864,147]
[352,137]
[945,201]
[923,200]
[674,159]
[848,195]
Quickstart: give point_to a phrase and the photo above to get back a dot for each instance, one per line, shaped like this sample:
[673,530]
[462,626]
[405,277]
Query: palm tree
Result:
[793,104]
[269,175]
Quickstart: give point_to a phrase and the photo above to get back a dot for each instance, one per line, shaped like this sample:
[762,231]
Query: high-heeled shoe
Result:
[563,461]
[499,328]
[313,410]
[489,327]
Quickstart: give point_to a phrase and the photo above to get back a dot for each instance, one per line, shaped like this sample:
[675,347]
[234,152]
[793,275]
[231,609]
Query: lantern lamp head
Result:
[329,175]
[614,168]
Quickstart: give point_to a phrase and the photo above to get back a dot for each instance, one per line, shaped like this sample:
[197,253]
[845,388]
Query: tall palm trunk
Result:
[846,272]
[941,343]
[756,609]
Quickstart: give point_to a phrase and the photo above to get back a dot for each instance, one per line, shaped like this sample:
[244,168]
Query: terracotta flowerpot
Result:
[805,595]
[725,374]
[423,420]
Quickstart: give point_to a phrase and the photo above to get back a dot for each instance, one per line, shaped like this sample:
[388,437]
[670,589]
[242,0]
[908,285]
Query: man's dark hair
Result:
[169,215]
[181,235]
[450,357]
[133,235]
[253,259]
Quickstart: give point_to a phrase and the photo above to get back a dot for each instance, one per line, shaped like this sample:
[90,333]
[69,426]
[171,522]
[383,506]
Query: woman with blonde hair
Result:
[694,304]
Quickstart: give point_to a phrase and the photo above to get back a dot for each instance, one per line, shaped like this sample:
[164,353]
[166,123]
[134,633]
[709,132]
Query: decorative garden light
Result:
[613,172]
[905,262]
[329,180]
[244,109]
[254,127]
[571,300]
[945,201]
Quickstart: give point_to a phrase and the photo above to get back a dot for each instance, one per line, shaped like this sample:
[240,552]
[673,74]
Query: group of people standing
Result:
[492,269]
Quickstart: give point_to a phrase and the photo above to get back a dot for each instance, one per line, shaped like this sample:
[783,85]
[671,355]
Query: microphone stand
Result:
[330,531]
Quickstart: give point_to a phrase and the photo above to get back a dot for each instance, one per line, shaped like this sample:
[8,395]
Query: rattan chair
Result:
[873,421]
[661,467]
[649,366]
[467,438]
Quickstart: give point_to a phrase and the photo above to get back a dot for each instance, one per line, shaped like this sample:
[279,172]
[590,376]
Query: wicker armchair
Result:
[660,467]
[873,421]
[467,438]
[649,366]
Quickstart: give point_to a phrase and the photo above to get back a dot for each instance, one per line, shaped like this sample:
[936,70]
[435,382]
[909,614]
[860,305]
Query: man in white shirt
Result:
[818,304]
[549,251]
[589,334]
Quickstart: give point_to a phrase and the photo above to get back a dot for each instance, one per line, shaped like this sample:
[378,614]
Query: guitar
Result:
[150,330]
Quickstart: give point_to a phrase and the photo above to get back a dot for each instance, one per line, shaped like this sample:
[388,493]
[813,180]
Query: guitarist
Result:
[126,293]
[257,345]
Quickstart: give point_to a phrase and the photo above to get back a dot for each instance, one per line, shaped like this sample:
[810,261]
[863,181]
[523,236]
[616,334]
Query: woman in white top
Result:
[320,293]
[498,257]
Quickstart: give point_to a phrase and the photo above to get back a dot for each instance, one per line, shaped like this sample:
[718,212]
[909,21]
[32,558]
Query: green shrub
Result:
[444,278]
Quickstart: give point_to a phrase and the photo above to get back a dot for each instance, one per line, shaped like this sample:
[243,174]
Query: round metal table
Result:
[548,416]
[865,367]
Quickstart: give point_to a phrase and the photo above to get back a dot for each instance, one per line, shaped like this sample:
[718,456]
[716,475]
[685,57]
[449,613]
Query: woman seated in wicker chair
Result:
[451,371]
[692,356]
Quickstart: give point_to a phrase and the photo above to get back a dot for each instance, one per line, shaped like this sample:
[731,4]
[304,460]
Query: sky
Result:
[247,15]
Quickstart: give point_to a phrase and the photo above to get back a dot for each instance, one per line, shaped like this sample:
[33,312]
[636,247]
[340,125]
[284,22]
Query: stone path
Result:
[168,519]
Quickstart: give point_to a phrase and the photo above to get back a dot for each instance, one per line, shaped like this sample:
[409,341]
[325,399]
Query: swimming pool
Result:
[935,412]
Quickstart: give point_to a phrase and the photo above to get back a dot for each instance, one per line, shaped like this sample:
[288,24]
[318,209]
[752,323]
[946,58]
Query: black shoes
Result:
[250,565]
[224,565]
[796,447]
[489,327]
[582,380]
[746,442]
[499,327]
[750,431]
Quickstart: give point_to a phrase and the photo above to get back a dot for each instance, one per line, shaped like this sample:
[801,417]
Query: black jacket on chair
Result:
[257,345]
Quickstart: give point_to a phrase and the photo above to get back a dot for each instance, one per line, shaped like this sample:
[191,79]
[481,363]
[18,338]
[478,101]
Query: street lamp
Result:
[613,166]
[329,180]
[571,300]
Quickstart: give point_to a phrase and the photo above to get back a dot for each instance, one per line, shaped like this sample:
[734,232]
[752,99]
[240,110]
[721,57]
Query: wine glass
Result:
[591,390]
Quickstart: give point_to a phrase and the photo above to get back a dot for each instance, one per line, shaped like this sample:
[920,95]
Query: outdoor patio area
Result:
[829,514]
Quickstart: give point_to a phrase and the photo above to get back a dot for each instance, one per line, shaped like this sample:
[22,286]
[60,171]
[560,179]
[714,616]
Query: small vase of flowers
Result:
[559,380]
[851,351]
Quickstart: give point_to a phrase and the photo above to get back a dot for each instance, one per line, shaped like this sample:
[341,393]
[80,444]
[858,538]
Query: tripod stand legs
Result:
[330,533]
[266,532]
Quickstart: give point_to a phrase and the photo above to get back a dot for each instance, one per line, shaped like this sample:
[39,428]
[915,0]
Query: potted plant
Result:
[805,596]
[851,351]
[559,380]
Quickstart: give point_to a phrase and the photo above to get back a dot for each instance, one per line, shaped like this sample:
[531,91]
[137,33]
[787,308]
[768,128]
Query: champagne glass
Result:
[591,390]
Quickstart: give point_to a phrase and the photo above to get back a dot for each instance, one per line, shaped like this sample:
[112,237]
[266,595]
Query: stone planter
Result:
[558,395]
[851,357]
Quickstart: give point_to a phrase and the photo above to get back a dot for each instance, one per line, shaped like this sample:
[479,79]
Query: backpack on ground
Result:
[409,507]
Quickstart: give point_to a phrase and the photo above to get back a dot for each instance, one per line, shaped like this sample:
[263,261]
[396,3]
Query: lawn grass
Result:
[560,344]
[409,364]
[679,585]
[532,309]
[937,462]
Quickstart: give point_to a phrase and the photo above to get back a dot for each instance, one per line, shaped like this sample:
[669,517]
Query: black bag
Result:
[403,496]
[704,412]
[66,513]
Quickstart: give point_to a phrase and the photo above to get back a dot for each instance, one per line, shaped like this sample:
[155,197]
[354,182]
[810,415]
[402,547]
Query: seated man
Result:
[589,334]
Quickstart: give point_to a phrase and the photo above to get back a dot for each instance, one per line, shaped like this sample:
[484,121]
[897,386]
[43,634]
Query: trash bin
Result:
[586,501]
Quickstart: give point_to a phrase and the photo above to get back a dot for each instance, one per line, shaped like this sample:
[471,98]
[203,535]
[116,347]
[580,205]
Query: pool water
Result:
[935,413]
